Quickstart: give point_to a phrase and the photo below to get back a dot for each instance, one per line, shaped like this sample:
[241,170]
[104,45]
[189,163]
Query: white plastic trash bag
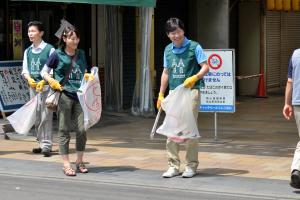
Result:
[89,95]
[52,99]
[179,123]
[24,118]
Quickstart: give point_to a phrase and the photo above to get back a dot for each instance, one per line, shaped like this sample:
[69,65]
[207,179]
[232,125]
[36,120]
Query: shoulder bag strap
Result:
[70,68]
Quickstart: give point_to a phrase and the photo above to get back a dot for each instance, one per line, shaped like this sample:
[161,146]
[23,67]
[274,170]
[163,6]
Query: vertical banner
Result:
[17,39]
[219,92]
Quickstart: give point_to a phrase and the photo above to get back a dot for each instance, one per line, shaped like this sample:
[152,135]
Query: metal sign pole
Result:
[3,126]
[216,126]
[218,95]
[3,115]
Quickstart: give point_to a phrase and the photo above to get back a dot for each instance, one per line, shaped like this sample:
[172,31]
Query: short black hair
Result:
[38,24]
[172,24]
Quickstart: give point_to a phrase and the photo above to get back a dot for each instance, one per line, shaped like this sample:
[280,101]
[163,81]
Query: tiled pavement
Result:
[255,142]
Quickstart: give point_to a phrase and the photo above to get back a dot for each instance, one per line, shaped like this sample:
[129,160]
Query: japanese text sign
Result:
[218,95]
[14,90]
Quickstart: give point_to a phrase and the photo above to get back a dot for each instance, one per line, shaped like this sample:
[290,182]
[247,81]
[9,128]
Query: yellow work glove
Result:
[88,76]
[31,82]
[190,82]
[40,86]
[54,84]
[159,100]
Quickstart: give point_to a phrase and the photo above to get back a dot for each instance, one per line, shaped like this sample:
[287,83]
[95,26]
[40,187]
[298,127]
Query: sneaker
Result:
[295,179]
[171,173]
[188,173]
[36,150]
[46,152]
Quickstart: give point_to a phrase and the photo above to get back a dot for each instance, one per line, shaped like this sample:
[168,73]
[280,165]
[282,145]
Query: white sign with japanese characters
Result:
[218,95]
[14,91]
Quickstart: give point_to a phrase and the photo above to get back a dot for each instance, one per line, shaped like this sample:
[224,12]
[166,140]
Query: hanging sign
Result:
[17,39]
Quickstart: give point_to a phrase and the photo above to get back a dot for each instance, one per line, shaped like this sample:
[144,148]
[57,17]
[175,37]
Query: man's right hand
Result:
[159,100]
[54,84]
[287,111]
[31,82]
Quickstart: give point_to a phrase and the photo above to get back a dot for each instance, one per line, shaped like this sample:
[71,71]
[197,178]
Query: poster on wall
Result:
[218,95]
[14,91]
[17,39]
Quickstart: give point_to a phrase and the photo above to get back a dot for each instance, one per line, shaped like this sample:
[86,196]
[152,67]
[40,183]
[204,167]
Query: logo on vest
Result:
[35,65]
[76,73]
[178,68]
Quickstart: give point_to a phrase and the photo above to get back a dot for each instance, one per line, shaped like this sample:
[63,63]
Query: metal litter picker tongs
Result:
[155,124]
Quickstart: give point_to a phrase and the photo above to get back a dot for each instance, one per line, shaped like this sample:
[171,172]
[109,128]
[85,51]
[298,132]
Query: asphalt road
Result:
[36,180]
[37,188]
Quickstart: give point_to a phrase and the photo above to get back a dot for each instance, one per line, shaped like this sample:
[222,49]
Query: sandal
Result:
[69,171]
[80,167]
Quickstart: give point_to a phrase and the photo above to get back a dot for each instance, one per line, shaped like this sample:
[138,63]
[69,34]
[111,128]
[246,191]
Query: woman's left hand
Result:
[88,76]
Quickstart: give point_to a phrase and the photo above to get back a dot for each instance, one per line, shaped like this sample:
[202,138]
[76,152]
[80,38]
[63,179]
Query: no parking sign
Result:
[218,95]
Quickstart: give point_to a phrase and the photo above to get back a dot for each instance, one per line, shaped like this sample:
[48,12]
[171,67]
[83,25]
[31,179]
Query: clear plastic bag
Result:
[89,95]
[179,123]
[24,118]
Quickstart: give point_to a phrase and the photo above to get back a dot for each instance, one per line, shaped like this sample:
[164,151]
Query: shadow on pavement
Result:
[112,169]
[229,147]
[13,152]
[87,150]
[208,172]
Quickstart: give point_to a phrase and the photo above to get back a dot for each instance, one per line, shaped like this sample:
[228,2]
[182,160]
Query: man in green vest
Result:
[35,57]
[184,63]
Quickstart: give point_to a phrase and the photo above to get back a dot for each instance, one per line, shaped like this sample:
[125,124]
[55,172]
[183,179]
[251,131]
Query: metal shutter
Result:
[290,40]
[273,49]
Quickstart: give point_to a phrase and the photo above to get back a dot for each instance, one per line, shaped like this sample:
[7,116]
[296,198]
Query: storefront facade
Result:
[263,40]
[108,36]
[49,13]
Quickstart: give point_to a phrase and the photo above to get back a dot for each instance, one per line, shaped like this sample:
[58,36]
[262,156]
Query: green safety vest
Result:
[36,62]
[78,70]
[182,65]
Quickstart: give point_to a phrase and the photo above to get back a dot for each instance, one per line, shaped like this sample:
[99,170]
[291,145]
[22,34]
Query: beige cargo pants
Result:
[191,145]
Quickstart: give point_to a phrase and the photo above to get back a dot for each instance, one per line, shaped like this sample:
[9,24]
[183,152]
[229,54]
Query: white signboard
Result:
[14,90]
[219,92]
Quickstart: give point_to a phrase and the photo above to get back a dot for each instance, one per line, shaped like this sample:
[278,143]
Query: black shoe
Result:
[6,137]
[295,179]
[36,150]
[46,152]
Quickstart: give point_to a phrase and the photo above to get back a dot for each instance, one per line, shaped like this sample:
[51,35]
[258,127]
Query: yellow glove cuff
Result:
[88,76]
[54,84]
[50,80]
[190,82]
[42,82]
[194,78]
[31,82]
[161,95]
[160,98]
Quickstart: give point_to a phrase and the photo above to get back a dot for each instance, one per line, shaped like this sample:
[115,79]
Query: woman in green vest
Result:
[69,67]
[184,63]
[34,59]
